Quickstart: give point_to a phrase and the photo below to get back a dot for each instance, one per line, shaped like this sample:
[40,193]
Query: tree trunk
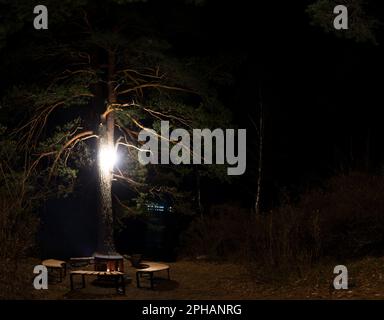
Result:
[368,151]
[105,244]
[260,160]
[198,193]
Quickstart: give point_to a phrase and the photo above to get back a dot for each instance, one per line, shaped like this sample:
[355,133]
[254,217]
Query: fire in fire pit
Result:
[109,263]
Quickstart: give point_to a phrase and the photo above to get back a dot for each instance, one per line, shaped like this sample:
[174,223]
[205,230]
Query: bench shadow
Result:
[108,283]
[160,284]
[81,295]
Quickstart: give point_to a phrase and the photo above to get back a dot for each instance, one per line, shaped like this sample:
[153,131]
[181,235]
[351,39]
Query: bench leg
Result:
[151,278]
[116,280]
[141,274]
[123,283]
[55,275]
[169,277]
[71,278]
[51,274]
[120,282]
[138,279]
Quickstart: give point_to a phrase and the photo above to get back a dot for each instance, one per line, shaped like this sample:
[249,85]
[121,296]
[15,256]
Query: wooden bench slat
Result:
[98,273]
[53,263]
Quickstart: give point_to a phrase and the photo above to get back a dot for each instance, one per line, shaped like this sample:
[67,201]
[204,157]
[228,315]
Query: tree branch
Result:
[155,86]
[79,137]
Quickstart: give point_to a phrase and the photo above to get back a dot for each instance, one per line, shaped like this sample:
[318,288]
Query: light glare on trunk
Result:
[107,158]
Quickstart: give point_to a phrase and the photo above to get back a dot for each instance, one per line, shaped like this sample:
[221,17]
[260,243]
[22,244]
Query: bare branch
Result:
[74,140]
[129,180]
[155,86]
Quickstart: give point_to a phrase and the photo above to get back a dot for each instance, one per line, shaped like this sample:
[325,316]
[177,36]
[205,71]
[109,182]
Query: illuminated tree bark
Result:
[260,162]
[105,244]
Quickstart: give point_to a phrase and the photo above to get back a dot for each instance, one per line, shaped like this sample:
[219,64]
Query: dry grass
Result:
[344,220]
[288,254]
[17,237]
[192,280]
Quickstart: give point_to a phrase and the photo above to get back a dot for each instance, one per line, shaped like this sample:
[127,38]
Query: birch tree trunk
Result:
[260,160]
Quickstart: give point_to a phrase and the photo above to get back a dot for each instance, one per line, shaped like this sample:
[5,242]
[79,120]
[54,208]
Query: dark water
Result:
[68,229]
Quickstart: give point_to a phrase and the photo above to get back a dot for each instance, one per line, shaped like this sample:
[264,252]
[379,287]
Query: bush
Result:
[343,220]
[351,215]
[219,235]
[17,236]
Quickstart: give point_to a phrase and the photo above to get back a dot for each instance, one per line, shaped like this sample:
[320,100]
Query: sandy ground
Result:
[193,280]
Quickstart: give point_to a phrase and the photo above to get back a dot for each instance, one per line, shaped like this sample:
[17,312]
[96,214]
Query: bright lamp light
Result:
[107,158]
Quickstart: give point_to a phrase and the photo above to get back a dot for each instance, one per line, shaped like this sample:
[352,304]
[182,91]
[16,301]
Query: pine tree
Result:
[103,73]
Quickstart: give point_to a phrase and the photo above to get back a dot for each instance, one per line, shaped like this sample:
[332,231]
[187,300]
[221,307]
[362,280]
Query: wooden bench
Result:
[149,268]
[59,265]
[117,276]
[81,261]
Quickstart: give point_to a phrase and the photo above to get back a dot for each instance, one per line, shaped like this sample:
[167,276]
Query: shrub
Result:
[343,220]
[18,225]
[219,235]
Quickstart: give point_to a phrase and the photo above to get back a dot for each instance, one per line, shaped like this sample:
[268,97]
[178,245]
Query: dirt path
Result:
[205,280]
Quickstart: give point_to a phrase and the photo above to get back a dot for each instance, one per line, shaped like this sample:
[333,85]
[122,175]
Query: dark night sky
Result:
[320,92]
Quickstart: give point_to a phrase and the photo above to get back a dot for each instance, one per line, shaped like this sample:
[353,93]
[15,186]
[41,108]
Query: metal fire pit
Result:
[109,262]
